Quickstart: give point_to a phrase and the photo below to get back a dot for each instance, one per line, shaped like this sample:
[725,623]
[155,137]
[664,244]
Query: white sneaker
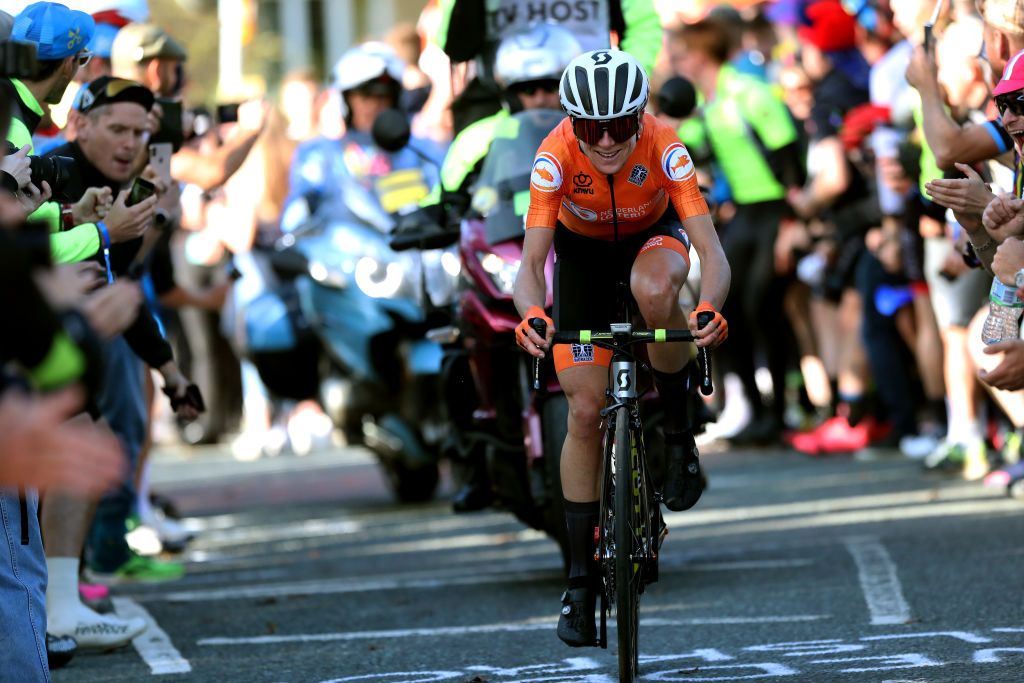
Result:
[96,631]
[168,530]
[918,446]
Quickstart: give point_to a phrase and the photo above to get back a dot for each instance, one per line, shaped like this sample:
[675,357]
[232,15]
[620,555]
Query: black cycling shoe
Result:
[60,650]
[684,481]
[576,627]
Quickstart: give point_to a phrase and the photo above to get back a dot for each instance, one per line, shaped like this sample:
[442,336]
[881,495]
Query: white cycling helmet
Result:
[365,63]
[538,53]
[603,84]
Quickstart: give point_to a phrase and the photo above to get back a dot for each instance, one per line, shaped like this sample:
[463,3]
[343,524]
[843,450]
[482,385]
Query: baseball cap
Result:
[828,26]
[1013,76]
[57,31]
[1005,15]
[139,42]
[110,90]
[103,40]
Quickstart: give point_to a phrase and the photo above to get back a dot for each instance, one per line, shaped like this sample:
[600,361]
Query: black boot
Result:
[576,624]
[684,481]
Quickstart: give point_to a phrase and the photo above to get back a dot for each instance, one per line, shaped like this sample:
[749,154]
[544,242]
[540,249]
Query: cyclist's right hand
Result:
[527,337]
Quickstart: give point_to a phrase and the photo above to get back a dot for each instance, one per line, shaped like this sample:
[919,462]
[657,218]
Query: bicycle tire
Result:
[627,566]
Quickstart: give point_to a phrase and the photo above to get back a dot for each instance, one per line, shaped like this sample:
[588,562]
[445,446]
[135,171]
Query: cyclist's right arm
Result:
[531,291]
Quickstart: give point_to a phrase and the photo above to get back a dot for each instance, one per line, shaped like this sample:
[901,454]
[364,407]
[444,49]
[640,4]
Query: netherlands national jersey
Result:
[564,185]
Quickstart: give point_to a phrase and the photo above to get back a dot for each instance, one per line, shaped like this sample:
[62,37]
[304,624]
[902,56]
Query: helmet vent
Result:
[584,89]
[601,86]
[621,83]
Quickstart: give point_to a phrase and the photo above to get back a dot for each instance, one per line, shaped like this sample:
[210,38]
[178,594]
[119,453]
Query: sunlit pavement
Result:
[790,569]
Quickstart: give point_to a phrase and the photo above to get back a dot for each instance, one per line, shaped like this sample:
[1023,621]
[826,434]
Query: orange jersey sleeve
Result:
[678,175]
[547,180]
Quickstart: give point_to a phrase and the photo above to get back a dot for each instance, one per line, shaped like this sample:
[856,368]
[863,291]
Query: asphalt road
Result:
[789,569]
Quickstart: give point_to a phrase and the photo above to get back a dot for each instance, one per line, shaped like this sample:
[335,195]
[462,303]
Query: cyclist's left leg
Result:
[658,274]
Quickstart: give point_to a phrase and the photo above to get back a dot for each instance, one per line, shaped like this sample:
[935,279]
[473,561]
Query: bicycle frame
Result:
[629,526]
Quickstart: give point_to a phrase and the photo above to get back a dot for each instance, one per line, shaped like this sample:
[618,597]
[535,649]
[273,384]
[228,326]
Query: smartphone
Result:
[17,59]
[929,38]
[141,190]
[160,159]
[172,124]
[227,113]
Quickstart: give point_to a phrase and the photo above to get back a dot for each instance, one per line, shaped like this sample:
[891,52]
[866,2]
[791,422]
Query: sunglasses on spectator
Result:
[620,129]
[1014,101]
[83,57]
[531,88]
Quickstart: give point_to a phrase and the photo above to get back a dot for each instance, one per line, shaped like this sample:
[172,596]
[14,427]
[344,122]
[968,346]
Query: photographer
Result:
[113,127]
[76,231]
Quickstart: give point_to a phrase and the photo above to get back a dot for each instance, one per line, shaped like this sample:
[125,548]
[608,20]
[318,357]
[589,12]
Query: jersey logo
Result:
[581,212]
[676,162]
[638,175]
[582,353]
[547,173]
[583,183]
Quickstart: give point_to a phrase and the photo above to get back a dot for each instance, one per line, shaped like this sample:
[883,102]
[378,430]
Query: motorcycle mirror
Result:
[391,130]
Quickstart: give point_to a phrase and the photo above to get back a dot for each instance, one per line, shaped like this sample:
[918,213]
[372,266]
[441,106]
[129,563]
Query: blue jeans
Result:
[122,402]
[22,591]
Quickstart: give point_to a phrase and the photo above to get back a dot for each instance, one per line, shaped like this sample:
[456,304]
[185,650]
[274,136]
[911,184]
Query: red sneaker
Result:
[809,442]
[842,438]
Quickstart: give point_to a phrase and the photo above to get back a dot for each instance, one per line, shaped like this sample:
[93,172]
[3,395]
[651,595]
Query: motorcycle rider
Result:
[634,222]
[528,65]
[369,79]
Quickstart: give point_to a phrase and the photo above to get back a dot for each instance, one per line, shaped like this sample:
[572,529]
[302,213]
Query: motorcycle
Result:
[348,325]
[497,417]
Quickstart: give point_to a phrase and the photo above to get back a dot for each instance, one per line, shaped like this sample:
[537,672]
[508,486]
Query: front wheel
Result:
[628,529]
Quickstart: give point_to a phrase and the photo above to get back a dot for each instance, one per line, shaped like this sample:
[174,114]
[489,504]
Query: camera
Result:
[17,59]
[57,171]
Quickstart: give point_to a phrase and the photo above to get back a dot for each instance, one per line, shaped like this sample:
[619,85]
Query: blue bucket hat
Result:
[57,31]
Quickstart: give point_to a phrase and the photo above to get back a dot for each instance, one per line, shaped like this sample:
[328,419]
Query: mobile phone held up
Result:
[227,113]
[141,190]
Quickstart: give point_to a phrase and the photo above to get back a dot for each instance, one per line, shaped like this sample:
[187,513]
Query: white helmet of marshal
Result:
[538,53]
[365,63]
[603,84]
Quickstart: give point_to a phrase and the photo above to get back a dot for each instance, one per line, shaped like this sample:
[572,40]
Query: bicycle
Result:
[630,526]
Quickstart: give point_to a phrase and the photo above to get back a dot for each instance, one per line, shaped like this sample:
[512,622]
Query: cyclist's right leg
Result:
[584,386]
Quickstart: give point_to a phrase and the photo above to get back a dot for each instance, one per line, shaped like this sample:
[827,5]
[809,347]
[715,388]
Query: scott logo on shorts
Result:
[676,162]
[582,353]
[547,173]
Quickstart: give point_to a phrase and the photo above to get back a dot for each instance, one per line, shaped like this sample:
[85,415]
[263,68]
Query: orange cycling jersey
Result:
[565,187]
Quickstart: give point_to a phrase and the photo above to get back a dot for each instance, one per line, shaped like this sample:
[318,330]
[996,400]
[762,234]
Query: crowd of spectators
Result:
[866,180]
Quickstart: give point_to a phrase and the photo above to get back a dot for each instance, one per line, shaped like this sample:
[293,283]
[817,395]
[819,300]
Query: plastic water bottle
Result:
[1004,311]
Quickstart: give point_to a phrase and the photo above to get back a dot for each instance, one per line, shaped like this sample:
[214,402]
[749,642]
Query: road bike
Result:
[630,526]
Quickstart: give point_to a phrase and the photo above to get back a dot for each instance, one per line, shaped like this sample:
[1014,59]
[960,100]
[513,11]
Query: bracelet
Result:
[985,247]
[104,234]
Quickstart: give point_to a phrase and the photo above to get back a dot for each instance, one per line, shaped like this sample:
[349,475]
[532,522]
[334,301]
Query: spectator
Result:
[754,142]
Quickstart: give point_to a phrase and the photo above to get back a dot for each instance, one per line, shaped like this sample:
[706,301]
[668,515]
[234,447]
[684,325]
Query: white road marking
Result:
[879,581]
[1008,630]
[436,578]
[153,645]
[541,624]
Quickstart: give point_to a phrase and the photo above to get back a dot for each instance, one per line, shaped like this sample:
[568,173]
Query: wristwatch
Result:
[1018,280]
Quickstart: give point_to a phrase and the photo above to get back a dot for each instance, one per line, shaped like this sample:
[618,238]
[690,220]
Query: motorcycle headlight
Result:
[377,279]
[326,275]
[502,272]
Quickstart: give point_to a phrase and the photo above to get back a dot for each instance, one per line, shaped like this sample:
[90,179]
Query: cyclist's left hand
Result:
[714,333]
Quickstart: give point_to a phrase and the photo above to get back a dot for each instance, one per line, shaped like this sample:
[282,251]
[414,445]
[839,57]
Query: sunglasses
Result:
[83,58]
[620,129]
[531,88]
[1013,101]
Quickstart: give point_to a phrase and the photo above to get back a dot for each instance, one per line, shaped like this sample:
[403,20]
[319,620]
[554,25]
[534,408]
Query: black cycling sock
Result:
[674,391]
[580,522]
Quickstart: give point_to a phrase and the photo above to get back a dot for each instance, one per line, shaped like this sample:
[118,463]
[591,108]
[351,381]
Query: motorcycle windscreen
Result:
[501,194]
